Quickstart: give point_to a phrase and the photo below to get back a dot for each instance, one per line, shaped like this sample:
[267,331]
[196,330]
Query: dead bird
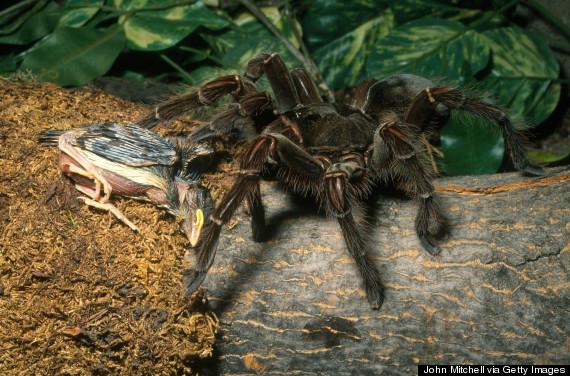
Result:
[131,161]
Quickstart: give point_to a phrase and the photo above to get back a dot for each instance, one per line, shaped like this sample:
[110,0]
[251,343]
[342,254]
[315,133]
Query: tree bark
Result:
[498,293]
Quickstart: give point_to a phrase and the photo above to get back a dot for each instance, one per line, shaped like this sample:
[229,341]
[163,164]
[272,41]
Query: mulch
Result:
[80,292]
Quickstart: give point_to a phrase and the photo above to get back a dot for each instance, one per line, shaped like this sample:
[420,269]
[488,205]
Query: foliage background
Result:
[473,45]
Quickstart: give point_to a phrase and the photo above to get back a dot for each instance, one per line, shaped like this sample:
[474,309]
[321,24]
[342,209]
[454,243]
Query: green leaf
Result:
[8,63]
[430,48]
[222,43]
[240,55]
[244,28]
[470,146]
[546,157]
[205,73]
[407,10]
[14,16]
[154,30]
[250,26]
[71,56]
[35,27]
[327,21]
[77,12]
[341,62]
[522,74]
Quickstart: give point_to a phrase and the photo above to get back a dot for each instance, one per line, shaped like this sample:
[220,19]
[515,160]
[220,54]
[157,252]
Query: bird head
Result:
[196,207]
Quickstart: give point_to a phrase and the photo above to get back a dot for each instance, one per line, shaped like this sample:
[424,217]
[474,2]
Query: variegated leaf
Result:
[78,12]
[327,21]
[523,73]
[31,28]
[155,30]
[341,62]
[431,48]
[240,55]
[250,26]
[407,10]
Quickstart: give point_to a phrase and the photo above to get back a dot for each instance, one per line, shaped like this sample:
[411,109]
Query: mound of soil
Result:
[80,292]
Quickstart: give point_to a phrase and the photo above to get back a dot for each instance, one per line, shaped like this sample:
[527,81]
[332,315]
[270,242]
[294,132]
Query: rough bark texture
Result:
[497,293]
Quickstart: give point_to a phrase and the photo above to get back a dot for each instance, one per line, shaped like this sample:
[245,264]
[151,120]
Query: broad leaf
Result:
[77,12]
[154,30]
[35,27]
[248,37]
[222,43]
[430,48]
[205,73]
[407,10]
[327,21]
[523,73]
[240,55]
[470,146]
[341,62]
[71,56]
[546,157]
[14,17]
[250,26]
[8,63]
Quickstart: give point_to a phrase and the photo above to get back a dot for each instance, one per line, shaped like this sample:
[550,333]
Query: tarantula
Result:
[332,151]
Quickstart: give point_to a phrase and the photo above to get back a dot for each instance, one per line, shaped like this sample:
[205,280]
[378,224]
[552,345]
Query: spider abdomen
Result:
[329,128]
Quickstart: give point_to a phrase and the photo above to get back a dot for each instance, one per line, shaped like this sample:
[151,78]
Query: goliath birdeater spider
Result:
[331,151]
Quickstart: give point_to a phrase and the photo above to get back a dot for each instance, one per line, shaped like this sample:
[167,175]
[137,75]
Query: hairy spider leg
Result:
[279,78]
[361,96]
[264,148]
[279,149]
[305,87]
[358,247]
[425,102]
[291,89]
[340,203]
[238,116]
[396,153]
[238,86]
[211,92]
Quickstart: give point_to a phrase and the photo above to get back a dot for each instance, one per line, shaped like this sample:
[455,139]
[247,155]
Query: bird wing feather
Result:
[126,143]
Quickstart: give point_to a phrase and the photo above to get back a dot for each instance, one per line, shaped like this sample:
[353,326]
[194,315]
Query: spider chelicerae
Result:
[334,152]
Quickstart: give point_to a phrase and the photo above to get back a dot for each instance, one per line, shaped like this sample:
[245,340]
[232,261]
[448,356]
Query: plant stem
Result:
[307,62]
[19,5]
[15,8]
[206,55]
[296,33]
[182,72]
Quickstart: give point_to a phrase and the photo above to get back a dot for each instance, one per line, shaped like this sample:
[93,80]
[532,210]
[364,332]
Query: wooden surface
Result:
[497,293]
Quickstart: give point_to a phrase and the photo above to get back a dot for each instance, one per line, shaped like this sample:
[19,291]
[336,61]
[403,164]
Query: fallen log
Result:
[498,293]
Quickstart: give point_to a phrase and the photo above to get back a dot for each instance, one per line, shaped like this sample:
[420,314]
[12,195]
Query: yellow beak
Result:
[196,228]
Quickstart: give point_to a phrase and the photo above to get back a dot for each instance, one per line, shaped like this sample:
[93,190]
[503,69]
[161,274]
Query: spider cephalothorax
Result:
[334,152]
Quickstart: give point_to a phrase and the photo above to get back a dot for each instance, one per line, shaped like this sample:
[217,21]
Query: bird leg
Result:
[88,170]
[103,205]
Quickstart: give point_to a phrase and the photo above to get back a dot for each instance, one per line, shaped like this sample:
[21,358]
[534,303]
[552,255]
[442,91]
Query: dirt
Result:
[80,292]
